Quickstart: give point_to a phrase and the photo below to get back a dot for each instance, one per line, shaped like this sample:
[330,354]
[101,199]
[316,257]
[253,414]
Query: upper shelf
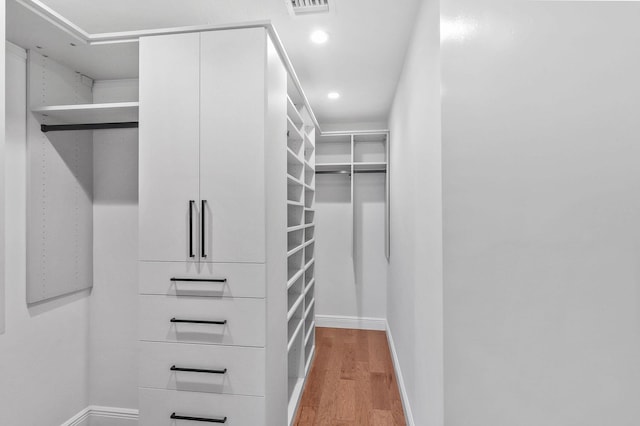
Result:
[88,113]
[369,166]
[333,167]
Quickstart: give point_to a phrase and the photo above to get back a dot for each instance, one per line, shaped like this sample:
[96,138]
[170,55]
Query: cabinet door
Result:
[168,138]
[232,117]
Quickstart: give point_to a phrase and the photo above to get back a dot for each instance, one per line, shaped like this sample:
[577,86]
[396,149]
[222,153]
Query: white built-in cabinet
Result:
[215,268]
[207,149]
[169,133]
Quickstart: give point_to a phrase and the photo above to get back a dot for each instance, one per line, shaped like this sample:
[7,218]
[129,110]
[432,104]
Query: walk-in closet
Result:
[319,213]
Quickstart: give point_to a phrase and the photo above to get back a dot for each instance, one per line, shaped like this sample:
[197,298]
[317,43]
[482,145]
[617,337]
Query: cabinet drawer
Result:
[157,406]
[164,319]
[244,368]
[206,279]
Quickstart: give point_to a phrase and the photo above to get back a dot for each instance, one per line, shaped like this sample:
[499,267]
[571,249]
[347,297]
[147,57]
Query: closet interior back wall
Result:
[348,288]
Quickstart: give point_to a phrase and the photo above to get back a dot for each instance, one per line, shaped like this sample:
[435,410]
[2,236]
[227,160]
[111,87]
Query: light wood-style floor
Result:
[351,382]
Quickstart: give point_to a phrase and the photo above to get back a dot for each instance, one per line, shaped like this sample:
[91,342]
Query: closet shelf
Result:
[293,113]
[311,329]
[296,228]
[294,203]
[292,158]
[293,279]
[295,306]
[294,180]
[118,112]
[308,286]
[333,167]
[295,250]
[295,334]
[306,313]
[363,166]
[308,366]
[308,144]
[293,133]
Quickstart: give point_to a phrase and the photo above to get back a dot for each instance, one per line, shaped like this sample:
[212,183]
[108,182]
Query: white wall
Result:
[415,270]
[346,288]
[114,310]
[541,160]
[2,160]
[43,353]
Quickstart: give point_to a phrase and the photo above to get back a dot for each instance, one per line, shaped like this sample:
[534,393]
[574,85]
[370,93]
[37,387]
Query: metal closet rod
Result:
[92,126]
[346,172]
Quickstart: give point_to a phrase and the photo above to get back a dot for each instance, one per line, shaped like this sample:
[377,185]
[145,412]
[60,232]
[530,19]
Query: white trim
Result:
[78,419]
[400,378]
[74,30]
[358,323]
[104,412]
[55,19]
[354,132]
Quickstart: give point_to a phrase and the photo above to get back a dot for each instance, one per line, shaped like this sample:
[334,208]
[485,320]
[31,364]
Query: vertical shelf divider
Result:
[301,323]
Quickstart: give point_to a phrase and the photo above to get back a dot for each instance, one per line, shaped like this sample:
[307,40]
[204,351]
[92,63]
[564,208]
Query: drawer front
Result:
[210,279]
[245,320]
[243,367]
[157,406]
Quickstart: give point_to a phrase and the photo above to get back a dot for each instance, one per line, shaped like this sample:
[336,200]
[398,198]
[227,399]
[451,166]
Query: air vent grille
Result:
[301,7]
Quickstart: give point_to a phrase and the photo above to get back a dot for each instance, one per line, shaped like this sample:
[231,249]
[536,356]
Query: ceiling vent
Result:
[303,7]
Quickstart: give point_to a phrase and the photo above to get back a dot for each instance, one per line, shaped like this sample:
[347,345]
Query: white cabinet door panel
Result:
[157,406]
[204,280]
[228,369]
[232,119]
[245,324]
[168,138]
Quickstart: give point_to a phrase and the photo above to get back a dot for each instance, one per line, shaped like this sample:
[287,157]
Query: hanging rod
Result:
[346,172]
[92,126]
[333,172]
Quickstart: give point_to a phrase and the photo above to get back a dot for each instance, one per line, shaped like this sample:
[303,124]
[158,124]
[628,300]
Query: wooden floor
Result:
[351,382]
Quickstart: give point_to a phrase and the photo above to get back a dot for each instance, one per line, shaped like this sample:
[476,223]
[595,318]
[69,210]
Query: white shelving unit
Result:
[346,153]
[301,248]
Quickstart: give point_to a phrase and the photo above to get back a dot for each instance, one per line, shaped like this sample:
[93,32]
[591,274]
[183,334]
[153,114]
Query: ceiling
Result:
[362,59]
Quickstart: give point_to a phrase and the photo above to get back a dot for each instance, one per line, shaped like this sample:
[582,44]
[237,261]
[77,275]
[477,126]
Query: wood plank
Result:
[346,398]
[364,406]
[382,418]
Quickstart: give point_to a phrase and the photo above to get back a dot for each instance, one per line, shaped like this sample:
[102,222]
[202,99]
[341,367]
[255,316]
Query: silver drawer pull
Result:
[199,419]
[198,370]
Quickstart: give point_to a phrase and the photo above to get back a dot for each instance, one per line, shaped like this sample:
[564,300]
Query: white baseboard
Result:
[79,419]
[95,415]
[403,390]
[358,323]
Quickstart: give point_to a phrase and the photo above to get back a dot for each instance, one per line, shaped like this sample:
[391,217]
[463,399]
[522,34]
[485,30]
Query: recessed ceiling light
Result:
[319,37]
[333,95]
